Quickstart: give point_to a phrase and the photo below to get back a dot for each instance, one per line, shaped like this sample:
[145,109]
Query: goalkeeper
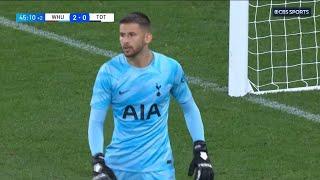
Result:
[137,85]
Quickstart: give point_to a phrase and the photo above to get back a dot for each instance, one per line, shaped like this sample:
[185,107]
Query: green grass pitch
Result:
[45,89]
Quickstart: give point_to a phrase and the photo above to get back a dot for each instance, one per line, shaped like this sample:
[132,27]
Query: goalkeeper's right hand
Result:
[100,170]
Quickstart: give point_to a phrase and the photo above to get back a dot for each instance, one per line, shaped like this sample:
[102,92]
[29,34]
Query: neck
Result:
[142,59]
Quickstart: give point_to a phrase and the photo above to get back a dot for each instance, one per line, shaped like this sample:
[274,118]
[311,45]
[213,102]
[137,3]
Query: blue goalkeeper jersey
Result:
[140,99]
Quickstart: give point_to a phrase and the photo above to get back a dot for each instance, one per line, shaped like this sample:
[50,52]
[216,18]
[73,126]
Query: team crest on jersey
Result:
[158,89]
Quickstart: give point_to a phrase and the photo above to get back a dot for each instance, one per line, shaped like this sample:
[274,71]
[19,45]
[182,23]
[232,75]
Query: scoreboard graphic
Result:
[64,17]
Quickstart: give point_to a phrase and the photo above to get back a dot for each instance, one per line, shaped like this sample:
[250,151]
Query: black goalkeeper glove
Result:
[200,164]
[100,170]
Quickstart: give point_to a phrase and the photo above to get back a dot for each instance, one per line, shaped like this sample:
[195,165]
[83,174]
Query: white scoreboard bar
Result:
[57,17]
[101,17]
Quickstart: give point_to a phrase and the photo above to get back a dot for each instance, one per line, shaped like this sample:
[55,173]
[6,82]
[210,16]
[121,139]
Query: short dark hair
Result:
[137,17]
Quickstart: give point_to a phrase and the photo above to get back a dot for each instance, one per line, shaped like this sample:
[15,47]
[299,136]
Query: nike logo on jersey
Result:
[122,92]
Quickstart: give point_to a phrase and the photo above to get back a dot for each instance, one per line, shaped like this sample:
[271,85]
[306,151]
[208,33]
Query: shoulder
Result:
[167,62]
[114,65]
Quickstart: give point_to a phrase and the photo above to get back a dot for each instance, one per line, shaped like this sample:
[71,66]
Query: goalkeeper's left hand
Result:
[200,164]
[100,170]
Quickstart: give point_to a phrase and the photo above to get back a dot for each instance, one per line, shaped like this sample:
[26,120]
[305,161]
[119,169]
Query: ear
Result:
[148,37]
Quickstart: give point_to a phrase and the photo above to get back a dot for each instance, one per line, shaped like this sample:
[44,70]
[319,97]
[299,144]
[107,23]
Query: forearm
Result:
[193,120]
[95,130]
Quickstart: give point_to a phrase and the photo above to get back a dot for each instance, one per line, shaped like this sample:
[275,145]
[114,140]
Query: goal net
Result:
[283,50]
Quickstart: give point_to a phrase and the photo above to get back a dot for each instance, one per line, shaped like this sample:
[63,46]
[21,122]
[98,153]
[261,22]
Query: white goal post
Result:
[270,53]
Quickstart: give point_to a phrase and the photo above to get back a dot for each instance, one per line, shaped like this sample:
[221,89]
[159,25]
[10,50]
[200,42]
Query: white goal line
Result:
[286,90]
